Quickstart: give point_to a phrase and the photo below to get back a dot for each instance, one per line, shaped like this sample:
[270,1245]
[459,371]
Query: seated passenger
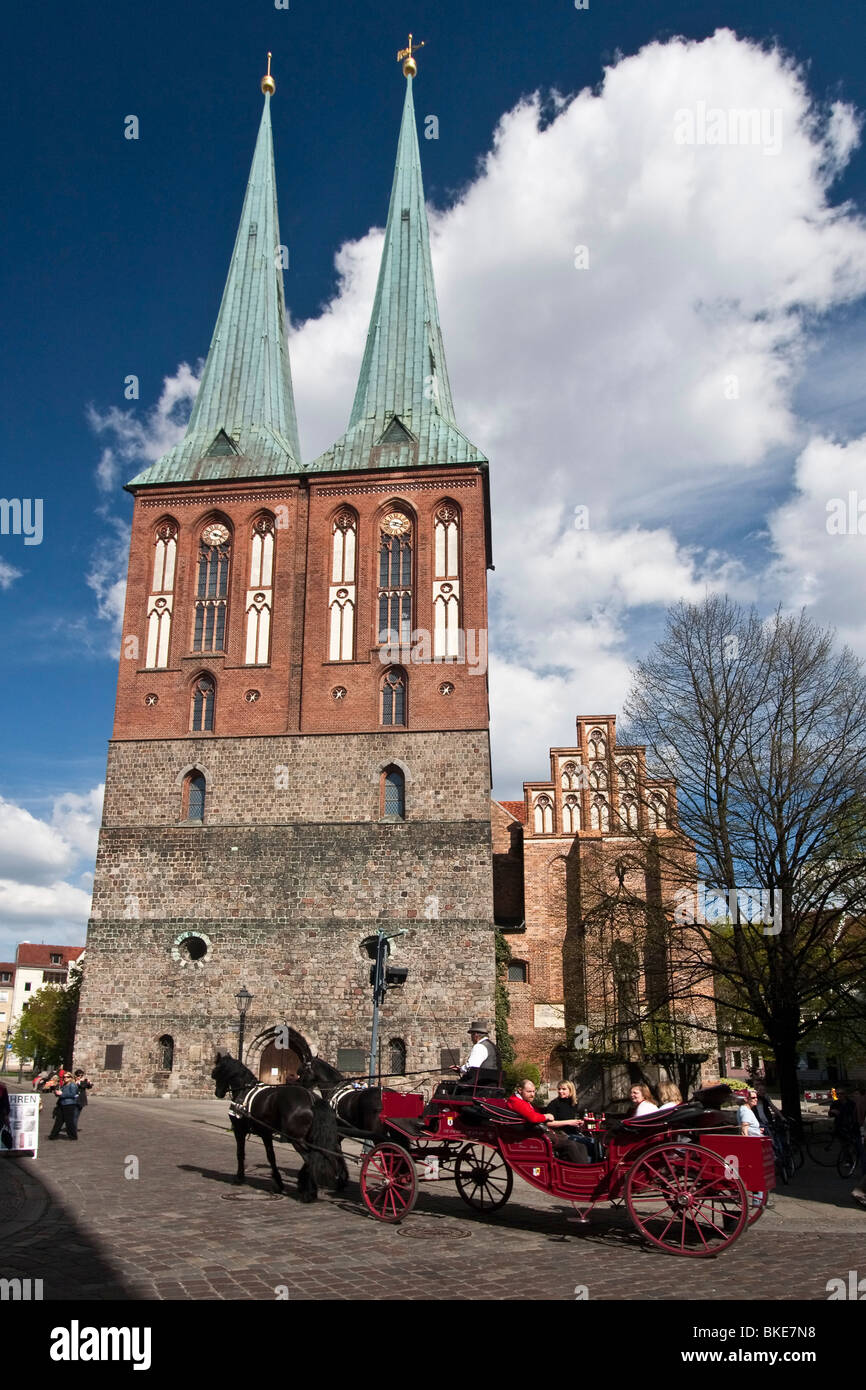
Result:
[642,1101]
[669,1096]
[563,1115]
[522,1102]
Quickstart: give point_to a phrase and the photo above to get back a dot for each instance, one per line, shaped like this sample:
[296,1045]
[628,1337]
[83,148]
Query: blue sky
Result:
[599,386]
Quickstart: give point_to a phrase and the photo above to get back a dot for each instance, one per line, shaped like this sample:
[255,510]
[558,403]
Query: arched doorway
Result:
[277,1054]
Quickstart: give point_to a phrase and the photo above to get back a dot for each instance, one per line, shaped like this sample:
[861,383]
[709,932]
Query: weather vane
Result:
[269,86]
[410,67]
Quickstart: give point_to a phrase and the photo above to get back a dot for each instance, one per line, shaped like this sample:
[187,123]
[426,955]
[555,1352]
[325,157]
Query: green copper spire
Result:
[243,422]
[403,399]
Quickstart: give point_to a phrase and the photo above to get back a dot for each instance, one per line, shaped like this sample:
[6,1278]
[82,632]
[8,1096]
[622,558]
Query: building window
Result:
[54,977]
[626,776]
[394,690]
[597,745]
[114,1057]
[203,694]
[195,788]
[571,815]
[27,987]
[341,594]
[56,958]
[657,813]
[212,589]
[395,580]
[737,1061]
[518,970]
[5,977]
[599,814]
[393,793]
[160,602]
[397,1057]
[573,778]
[259,600]
[166,1052]
[446,582]
[628,811]
[543,815]
[598,777]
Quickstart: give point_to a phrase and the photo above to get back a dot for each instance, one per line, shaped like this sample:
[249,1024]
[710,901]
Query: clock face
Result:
[396,524]
[216,534]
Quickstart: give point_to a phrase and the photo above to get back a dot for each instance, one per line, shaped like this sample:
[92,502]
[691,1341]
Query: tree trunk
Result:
[789,1085]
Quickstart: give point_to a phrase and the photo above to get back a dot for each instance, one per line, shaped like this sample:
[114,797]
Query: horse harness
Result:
[241,1109]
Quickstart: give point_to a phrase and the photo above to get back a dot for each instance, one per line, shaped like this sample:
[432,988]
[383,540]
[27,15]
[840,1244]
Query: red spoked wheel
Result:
[484,1180]
[686,1200]
[388,1184]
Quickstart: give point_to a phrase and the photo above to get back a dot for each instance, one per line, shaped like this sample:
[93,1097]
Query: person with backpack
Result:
[66,1110]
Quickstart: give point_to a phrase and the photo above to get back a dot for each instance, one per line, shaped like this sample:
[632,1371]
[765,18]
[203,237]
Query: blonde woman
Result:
[642,1101]
[669,1096]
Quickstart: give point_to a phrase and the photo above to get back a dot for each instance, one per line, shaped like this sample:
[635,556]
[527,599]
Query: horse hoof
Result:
[307,1196]
[237,1182]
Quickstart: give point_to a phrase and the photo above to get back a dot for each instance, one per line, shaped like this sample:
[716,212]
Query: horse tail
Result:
[325,1166]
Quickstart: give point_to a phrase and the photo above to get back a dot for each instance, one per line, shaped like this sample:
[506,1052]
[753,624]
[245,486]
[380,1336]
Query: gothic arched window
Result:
[626,776]
[657,812]
[393,793]
[628,811]
[394,697]
[194,796]
[570,774]
[598,777]
[571,815]
[599,814]
[446,582]
[395,580]
[597,745]
[166,1052]
[161,599]
[543,815]
[203,695]
[259,601]
[212,588]
[341,595]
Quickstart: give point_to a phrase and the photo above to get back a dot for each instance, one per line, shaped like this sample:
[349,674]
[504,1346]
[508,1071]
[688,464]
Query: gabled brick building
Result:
[581,959]
[300,751]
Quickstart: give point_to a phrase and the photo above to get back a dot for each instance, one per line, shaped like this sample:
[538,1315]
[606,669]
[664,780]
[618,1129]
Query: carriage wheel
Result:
[388,1183]
[685,1200]
[484,1180]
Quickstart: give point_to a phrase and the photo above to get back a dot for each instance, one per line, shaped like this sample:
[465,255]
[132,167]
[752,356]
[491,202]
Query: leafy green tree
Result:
[46,1028]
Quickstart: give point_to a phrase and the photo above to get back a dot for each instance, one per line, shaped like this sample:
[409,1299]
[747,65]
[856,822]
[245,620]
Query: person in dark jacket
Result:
[84,1086]
[66,1112]
[566,1117]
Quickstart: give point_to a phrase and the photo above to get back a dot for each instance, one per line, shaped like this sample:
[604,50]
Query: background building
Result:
[33,967]
[585,869]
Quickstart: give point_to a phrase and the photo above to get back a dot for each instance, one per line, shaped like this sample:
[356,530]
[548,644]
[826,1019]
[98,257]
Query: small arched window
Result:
[518,971]
[657,812]
[166,1052]
[194,796]
[203,697]
[628,811]
[626,776]
[597,745]
[394,697]
[599,814]
[571,815]
[543,816]
[598,777]
[397,1057]
[393,793]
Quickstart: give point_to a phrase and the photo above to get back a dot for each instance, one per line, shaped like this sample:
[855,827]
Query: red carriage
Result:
[690,1181]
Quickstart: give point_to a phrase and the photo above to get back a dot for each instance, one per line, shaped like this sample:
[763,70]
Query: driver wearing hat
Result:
[484,1053]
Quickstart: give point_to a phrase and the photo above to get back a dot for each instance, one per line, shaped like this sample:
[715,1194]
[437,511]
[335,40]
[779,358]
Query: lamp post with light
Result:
[243,999]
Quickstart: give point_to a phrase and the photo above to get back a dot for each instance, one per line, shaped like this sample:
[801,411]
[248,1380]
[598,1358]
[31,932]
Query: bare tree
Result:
[763,727]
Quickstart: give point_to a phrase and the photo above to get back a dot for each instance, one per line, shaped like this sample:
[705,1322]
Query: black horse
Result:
[289,1112]
[358,1109]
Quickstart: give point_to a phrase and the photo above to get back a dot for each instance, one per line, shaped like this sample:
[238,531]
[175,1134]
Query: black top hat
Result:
[479,1026]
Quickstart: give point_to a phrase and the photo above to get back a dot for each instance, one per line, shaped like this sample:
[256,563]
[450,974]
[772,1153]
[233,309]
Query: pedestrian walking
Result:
[66,1111]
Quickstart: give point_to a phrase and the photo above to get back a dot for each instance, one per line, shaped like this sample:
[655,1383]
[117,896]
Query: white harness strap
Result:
[243,1107]
[344,1090]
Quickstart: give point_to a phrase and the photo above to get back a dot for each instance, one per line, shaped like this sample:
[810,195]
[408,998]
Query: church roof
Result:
[243,421]
[403,398]
[517,809]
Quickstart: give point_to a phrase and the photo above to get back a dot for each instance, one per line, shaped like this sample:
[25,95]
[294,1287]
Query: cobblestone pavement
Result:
[180,1230]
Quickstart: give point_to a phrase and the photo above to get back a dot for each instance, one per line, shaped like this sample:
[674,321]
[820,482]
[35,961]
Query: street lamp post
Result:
[243,999]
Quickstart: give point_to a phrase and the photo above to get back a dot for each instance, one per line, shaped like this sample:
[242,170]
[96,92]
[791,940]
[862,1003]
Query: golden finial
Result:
[410,67]
[269,86]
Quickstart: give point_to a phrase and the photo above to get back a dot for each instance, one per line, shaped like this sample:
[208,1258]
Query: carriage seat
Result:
[688,1116]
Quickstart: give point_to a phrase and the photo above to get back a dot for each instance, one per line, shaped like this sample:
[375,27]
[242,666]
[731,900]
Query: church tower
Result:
[300,752]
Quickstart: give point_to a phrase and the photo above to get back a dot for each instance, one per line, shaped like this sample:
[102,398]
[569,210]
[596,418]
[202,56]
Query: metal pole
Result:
[241,1035]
